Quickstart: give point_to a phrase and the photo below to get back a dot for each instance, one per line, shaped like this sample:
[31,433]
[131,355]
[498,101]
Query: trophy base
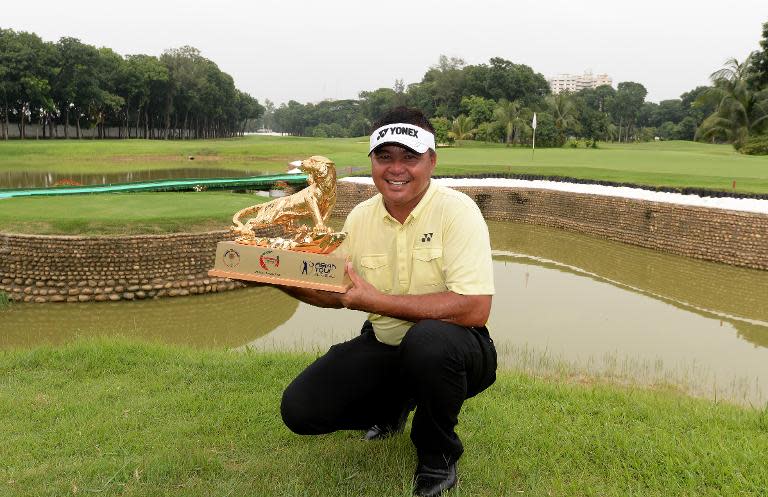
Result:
[280,267]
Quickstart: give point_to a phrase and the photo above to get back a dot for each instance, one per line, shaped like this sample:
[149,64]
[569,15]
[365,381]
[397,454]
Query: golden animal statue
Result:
[315,201]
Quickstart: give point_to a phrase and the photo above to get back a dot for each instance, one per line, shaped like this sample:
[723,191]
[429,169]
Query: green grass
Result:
[677,164]
[111,417]
[121,214]
[267,153]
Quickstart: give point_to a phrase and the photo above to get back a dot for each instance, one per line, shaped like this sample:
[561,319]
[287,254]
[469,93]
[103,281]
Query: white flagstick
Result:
[533,125]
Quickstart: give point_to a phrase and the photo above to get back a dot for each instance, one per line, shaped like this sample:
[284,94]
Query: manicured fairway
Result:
[128,213]
[120,418]
[677,164]
[674,164]
[266,153]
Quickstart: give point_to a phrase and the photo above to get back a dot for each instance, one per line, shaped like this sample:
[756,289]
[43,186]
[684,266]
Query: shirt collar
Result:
[431,189]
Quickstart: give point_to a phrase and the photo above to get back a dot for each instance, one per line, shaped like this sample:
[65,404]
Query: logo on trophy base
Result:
[301,257]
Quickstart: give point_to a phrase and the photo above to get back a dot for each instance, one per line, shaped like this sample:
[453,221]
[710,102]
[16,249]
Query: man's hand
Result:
[361,296]
[464,310]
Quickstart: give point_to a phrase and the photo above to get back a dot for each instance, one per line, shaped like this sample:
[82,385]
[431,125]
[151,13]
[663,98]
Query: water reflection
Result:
[597,327]
[718,291]
[30,179]
[224,320]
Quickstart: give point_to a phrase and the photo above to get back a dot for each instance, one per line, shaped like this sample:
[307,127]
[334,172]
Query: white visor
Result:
[417,139]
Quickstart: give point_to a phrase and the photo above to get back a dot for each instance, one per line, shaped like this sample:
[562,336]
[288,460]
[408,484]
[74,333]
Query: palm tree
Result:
[462,128]
[563,110]
[513,117]
[739,111]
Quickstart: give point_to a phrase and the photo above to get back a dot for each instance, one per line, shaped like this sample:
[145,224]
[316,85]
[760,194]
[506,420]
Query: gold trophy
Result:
[300,257]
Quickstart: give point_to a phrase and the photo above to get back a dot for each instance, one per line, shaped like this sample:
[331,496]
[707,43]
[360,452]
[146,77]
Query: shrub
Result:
[5,301]
[757,145]
[577,143]
[320,131]
[442,127]
[490,132]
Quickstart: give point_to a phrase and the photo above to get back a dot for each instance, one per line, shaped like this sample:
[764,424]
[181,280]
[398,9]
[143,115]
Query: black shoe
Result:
[381,431]
[429,482]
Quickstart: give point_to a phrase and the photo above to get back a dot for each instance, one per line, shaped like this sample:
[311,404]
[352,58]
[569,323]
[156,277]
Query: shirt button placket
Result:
[402,257]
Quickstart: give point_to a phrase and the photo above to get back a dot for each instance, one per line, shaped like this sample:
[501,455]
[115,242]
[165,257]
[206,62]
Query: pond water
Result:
[565,304]
[40,179]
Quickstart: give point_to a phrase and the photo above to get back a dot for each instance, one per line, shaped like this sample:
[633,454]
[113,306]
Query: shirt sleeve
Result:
[467,262]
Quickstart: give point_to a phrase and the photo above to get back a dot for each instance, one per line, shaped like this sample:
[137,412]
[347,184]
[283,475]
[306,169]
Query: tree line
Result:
[181,94]
[495,102]
[178,95]
[739,96]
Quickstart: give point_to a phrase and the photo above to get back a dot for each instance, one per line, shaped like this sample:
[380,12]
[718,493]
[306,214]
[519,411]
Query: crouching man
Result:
[420,263]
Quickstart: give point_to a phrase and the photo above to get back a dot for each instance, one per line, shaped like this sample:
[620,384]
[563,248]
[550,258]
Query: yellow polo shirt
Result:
[443,245]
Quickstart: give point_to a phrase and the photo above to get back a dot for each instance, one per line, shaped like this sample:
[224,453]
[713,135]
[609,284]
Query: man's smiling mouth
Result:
[397,183]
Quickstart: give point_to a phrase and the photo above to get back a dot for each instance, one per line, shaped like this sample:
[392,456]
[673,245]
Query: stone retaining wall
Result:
[101,268]
[80,269]
[730,237]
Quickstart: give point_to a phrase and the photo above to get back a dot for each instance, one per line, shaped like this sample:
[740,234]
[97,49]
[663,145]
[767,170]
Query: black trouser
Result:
[363,382]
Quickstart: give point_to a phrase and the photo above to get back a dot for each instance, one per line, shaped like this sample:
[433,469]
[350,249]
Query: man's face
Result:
[401,175]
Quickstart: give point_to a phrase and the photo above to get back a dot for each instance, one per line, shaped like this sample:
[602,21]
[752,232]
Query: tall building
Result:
[576,82]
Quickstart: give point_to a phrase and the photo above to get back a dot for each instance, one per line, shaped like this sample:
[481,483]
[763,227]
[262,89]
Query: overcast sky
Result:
[311,50]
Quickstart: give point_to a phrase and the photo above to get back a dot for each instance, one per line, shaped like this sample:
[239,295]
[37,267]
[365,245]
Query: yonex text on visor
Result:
[417,139]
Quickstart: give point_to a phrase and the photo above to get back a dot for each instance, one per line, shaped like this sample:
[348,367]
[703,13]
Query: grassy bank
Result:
[111,417]
[123,214]
[677,164]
